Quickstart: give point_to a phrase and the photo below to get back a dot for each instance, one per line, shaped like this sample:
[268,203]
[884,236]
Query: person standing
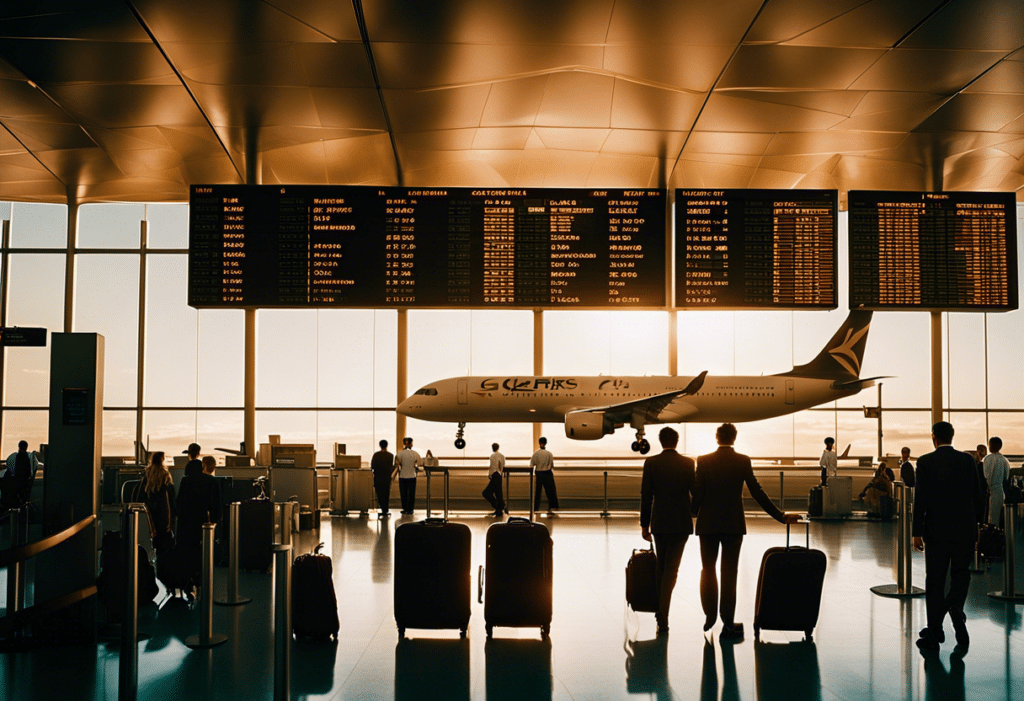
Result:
[492,492]
[157,492]
[194,465]
[542,462]
[665,515]
[382,464]
[19,476]
[945,527]
[906,469]
[408,462]
[718,504]
[996,469]
[828,462]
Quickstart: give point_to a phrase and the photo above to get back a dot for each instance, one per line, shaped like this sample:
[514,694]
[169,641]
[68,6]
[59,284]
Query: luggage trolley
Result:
[518,471]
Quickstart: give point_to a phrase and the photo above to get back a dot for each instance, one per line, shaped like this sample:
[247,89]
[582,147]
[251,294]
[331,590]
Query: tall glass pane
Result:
[221,375]
[964,351]
[286,367]
[706,341]
[110,225]
[172,329]
[168,225]
[5,211]
[346,358]
[119,433]
[169,431]
[35,298]
[32,426]
[219,429]
[107,302]
[360,431]
[439,346]
[35,225]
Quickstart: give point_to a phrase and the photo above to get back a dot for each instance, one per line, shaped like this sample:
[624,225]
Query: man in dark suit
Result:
[665,514]
[946,505]
[382,464]
[718,503]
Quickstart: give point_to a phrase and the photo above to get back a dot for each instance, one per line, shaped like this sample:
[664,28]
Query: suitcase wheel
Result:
[757,634]
[401,632]
[462,633]
[545,631]
[810,635]
[490,630]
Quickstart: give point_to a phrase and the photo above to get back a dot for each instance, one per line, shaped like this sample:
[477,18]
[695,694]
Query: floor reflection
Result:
[787,671]
[942,684]
[428,669]
[647,668]
[518,669]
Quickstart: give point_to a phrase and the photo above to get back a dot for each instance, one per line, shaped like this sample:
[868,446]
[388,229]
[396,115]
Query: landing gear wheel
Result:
[645,447]
[635,447]
[460,444]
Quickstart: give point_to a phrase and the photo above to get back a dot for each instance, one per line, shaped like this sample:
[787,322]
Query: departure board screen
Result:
[756,249]
[348,246]
[933,251]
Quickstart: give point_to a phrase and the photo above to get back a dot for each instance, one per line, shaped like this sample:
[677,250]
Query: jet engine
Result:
[587,425]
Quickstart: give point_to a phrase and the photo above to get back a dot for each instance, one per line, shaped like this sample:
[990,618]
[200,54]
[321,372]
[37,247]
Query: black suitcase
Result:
[256,535]
[433,669]
[991,542]
[789,589]
[110,583]
[642,581]
[432,575]
[886,507]
[816,502]
[314,603]
[518,575]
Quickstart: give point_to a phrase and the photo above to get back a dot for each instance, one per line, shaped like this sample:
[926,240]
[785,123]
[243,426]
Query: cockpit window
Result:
[428,391]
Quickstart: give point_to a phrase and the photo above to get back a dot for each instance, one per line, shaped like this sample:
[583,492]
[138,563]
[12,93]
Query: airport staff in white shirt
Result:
[996,468]
[492,493]
[408,462]
[828,463]
[542,462]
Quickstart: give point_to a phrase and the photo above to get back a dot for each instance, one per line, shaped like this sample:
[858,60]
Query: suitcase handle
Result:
[434,521]
[519,520]
[807,532]
[317,549]
[480,585]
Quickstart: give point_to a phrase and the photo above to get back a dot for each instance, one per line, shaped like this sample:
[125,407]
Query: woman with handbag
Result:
[157,491]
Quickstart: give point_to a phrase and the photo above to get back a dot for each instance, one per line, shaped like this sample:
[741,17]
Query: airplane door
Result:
[789,391]
[463,391]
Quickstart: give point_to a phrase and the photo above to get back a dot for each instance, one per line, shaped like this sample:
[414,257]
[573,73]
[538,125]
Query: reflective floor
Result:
[863,647]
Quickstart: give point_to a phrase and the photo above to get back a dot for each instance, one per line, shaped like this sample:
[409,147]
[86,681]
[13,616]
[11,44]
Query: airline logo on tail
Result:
[843,353]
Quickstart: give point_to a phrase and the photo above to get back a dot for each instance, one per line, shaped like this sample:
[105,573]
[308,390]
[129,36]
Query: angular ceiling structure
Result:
[135,100]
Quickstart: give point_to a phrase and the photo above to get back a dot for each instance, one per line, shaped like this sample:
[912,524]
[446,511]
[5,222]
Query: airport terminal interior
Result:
[179,184]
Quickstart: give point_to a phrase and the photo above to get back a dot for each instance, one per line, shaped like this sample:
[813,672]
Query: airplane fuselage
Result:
[734,398]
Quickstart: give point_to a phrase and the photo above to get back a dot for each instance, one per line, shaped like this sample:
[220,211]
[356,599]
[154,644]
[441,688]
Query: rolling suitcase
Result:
[314,603]
[642,581]
[991,542]
[517,579]
[816,502]
[256,534]
[432,575]
[789,588]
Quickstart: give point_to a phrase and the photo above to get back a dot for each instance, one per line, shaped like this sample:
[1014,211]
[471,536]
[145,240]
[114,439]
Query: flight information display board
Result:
[933,251]
[349,246]
[756,249]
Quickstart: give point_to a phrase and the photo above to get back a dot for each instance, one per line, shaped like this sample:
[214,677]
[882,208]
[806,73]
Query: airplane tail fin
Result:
[841,357]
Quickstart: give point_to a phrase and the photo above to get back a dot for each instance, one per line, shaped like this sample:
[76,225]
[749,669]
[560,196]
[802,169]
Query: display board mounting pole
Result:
[936,367]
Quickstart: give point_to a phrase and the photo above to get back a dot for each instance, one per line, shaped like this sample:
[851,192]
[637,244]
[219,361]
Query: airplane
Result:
[593,407]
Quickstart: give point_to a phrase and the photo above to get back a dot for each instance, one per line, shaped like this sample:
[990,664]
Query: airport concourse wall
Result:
[175,374]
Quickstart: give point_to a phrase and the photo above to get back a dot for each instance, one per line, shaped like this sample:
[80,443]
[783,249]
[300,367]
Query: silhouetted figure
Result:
[879,486]
[996,469]
[906,468]
[16,484]
[492,492]
[718,503]
[194,465]
[542,462]
[198,503]
[945,520]
[828,462]
[157,492]
[665,514]
[382,464]
[408,462]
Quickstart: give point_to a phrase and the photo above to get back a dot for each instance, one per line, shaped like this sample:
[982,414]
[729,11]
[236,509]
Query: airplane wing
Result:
[654,408]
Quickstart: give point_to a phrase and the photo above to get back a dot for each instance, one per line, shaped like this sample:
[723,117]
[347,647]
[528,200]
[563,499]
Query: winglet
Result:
[695,384]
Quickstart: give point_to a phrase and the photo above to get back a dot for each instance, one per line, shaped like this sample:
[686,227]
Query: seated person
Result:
[879,486]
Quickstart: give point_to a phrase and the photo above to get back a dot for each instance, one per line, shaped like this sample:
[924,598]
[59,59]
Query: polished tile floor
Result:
[862,649]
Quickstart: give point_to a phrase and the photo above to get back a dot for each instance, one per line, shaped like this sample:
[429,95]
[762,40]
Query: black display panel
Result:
[348,246]
[933,251]
[756,249]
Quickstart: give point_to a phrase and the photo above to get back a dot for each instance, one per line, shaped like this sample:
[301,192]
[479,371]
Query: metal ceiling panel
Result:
[926,70]
[976,25]
[685,67]
[577,100]
[744,112]
[876,24]
[798,67]
[59,61]
[975,112]
[1004,77]
[97,20]
[694,23]
[637,106]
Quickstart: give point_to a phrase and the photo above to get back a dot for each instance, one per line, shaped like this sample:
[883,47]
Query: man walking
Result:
[542,462]
[408,462]
[492,492]
[945,526]
[665,515]
[382,464]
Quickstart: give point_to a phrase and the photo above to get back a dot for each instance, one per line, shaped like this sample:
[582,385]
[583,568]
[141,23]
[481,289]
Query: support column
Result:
[69,270]
[5,274]
[538,361]
[936,319]
[141,362]
[249,425]
[401,374]
[673,342]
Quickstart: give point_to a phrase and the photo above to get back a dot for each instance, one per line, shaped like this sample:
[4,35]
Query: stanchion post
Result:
[233,598]
[282,622]
[782,490]
[903,588]
[428,491]
[1009,565]
[206,637]
[604,513]
[530,495]
[284,515]
[128,664]
[447,486]
[16,570]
